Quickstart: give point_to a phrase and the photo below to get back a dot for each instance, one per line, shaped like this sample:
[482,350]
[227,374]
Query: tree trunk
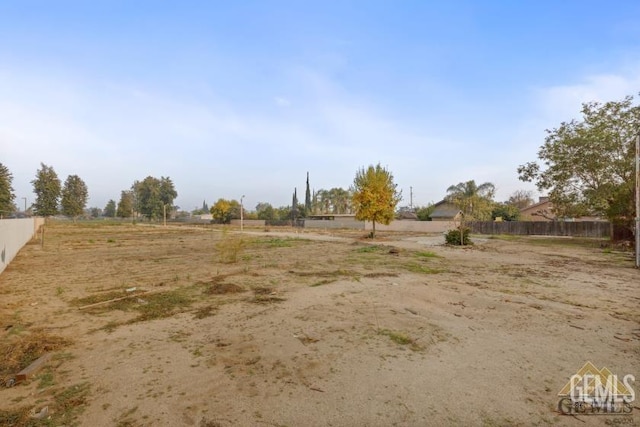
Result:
[373,233]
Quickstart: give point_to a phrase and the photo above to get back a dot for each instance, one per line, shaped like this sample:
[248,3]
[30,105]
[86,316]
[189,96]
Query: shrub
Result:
[230,248]
[453,237]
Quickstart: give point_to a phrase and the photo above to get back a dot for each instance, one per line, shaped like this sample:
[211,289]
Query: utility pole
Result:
[241,214]
[638,201]
[411,198]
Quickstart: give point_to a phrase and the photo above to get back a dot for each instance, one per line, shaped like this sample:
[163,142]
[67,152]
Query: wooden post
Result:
[638,201]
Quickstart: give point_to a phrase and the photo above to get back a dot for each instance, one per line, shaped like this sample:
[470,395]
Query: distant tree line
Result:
[586,166]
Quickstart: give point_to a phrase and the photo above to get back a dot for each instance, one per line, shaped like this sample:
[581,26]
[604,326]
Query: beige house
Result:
[541,211]
[445,211]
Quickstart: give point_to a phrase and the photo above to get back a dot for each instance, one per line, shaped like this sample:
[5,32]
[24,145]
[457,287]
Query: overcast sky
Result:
[244,97]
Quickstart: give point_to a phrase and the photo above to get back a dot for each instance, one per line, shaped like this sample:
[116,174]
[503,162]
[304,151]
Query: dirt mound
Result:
[224,288]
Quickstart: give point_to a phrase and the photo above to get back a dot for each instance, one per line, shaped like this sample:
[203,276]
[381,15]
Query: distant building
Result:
[541,211]
[544,211]
[445,211]
[407,215]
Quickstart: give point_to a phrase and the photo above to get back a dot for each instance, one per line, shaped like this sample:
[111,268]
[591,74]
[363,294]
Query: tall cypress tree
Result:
[294,205]
[307,197]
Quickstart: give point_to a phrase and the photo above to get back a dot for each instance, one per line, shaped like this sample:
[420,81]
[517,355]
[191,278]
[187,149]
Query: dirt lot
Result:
[213,328]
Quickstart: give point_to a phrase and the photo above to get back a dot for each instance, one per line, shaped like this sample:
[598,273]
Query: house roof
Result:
[444,209]
[537,206]
[407,215]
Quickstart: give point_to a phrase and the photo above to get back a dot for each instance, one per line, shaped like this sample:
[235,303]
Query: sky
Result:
[243,98]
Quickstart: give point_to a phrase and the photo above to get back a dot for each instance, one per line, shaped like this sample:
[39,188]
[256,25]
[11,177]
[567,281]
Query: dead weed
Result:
[19,351]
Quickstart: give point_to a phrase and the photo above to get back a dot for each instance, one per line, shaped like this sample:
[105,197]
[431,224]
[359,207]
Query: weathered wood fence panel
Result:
[601,229]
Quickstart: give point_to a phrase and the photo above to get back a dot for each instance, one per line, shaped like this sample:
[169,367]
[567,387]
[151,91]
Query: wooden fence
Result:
[601,229]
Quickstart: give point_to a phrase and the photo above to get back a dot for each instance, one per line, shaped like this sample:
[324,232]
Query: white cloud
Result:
[563,102]
[112,134]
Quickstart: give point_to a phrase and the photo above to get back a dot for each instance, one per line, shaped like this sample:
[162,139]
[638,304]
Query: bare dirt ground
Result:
[309,329]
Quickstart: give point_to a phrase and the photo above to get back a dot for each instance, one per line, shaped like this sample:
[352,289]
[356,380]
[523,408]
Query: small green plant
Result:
[453,237]
[65,408]
[427,254]
[70,403]
[46,379]
[230,248]
[397,337]
[278,243]
[371,249]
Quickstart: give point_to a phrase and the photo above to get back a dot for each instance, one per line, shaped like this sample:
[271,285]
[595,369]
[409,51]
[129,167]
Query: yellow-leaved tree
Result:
[223,211]
[375,196]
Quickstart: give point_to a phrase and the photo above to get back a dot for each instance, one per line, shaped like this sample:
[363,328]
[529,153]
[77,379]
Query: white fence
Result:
[14,234]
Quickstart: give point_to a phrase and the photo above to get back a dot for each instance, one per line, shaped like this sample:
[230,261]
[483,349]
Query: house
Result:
[541,211]
[406,215]
[445,211]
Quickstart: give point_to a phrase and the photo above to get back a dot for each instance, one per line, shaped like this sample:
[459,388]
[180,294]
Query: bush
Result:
[230,248]
[424,213]
[453,237]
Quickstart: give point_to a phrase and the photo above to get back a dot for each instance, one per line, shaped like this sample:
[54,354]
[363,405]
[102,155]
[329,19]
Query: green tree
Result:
[307,198]
[294,205]
[95,212]
[265,211]
[110,209]
[6,191]
[520,199]
[505,211]
[340,200]
[589,164]
[47,188]
[125,205]
[283,213]
[321,202]
[424,212]
[74,196]
[152,195]
[475,201]
[375,195]
[168,191]
[333,201]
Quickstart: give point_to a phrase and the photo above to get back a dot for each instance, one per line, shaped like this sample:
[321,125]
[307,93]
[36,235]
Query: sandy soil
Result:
[318,329]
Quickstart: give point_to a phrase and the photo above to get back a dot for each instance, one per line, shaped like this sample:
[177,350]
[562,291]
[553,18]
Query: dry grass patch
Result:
[149,306]
[380,274]
[61,409]
[19,351]
[265,295]
[206,311]
[223,288]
